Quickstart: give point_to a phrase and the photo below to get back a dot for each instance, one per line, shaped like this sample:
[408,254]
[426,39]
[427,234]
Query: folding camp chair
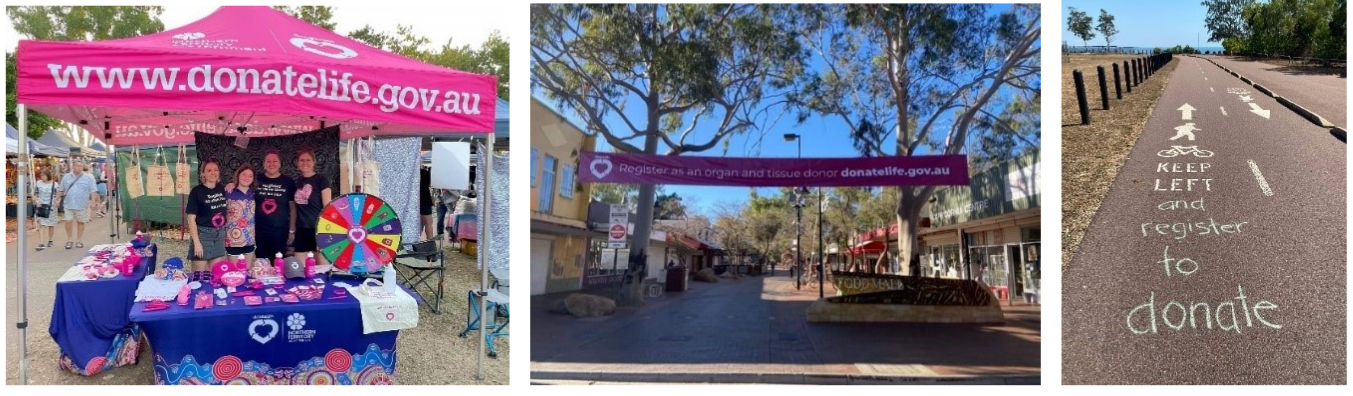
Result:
[497,309]
[419,263]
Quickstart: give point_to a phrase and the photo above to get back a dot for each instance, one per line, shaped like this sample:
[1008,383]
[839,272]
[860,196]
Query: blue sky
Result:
[1145,23]
[821,137]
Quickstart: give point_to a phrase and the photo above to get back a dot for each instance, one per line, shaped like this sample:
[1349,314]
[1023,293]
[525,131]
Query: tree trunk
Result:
[632,293]
[908,224]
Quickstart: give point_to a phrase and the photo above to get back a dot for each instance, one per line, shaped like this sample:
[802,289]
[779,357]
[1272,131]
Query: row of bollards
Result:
[1135,71]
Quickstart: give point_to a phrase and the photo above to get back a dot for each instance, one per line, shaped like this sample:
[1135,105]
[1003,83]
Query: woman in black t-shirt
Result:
[312,194]
[206,220]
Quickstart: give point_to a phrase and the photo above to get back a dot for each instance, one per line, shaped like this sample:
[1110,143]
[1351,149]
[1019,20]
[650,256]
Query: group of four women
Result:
[255,215]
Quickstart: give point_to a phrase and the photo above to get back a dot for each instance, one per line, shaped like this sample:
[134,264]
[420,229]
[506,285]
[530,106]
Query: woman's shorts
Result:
[213,243]
[235,251]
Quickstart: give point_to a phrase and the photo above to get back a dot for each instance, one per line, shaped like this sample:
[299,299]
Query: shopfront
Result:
[989,231]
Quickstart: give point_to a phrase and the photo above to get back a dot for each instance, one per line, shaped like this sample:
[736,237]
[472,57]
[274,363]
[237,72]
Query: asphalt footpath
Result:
[1218,255]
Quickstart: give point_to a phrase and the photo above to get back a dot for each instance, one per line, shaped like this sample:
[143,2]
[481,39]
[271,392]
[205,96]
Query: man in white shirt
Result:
[74,192]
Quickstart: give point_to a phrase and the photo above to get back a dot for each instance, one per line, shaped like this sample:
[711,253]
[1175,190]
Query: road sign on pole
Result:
[620,216]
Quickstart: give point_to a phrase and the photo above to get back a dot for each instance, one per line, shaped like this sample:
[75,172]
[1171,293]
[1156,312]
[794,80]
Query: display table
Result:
[90,323]
[308,342]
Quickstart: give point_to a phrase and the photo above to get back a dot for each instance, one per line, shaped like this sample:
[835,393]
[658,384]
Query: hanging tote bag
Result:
[135,186]
[159,183]
[370,170]
[181,175]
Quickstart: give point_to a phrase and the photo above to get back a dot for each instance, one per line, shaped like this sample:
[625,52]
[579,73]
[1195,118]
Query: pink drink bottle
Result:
[310,265]
[278,263]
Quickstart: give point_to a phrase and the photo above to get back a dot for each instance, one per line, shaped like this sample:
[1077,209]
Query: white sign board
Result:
[450,165]
[619,229]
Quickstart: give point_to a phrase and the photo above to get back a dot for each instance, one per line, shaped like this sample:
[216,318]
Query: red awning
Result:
[868,247]
[890,230]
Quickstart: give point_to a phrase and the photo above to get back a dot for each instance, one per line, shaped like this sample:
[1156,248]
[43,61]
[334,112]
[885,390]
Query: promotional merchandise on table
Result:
[303,332]
[290,323]
[89,318]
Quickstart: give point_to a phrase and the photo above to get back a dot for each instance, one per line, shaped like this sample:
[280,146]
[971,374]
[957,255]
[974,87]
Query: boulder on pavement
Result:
[707,275]
[589,306]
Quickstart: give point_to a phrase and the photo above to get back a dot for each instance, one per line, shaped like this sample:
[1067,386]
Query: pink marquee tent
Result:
[245,71]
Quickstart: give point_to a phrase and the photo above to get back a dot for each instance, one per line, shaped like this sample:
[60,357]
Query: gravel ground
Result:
[430,354]
[1092,154]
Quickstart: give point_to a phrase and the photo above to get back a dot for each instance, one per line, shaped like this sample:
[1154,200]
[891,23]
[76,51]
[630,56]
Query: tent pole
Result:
[107,199]
[22,111]
[110,172]
[486,153]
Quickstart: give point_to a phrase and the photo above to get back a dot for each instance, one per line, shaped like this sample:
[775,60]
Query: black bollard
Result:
[1127,77]
[1117,86]
[1135,80]
[1103,87]
[1080,97]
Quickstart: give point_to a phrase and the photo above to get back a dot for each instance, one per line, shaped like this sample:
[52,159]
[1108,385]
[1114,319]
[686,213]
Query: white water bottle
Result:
[389,279]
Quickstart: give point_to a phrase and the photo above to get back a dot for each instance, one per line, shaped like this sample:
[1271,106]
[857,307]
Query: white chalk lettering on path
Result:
[1254,108]
[1183,316]
[1182,204]
[1246,99]
[1184,185]
[1182,230]
[1180,265]
[1188,111]
[1182,167]
[1263,184]
[1223,110]
[1211,89]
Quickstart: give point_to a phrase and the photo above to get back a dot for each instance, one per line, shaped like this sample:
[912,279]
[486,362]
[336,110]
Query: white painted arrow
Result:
[1254,108]
[1188,111]
[1246,98]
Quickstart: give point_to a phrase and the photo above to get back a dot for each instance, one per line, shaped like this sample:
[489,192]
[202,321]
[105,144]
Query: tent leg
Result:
[107,199]
[485,153]
[22,279]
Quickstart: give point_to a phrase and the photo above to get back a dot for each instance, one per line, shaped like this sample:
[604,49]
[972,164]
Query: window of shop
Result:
[944,262]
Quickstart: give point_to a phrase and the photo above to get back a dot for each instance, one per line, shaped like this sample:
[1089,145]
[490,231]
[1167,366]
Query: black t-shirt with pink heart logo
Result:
[309,200]
[208,204]
[273,196]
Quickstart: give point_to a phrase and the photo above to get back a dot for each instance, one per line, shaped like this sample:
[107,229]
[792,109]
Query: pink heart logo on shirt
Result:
[218,220]
[269,206]
[303,194]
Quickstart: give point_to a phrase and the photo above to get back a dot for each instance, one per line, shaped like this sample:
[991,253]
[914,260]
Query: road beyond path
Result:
[1218,256]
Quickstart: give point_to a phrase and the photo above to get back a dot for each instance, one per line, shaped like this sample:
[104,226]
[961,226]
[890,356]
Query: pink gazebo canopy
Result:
[250,68]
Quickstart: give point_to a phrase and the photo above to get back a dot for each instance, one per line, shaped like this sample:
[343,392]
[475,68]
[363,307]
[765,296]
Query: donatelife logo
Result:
[257,332]
[600,167]
[189,36]
[323,47]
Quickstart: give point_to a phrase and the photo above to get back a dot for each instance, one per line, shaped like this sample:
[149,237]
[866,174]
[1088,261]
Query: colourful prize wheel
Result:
[358,228]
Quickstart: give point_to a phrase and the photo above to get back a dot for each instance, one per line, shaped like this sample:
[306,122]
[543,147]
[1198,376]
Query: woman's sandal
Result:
[69,244]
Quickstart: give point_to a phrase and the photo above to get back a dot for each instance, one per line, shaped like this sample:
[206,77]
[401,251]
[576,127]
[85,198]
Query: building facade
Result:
[560,236]
[988,230]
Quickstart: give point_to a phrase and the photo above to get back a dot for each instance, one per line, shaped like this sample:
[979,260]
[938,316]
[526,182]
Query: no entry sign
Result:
[944,170]
[620,216]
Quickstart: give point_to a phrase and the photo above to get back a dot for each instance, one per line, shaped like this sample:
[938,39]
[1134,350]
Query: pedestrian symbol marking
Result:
[1186,130]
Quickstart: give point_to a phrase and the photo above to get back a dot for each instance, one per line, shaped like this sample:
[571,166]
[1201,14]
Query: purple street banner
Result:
[936,170]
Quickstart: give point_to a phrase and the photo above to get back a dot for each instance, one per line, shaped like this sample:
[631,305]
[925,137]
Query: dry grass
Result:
[1093,154]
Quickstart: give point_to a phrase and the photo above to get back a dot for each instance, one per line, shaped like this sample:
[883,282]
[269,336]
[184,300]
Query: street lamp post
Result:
[821,263]
[797,199]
